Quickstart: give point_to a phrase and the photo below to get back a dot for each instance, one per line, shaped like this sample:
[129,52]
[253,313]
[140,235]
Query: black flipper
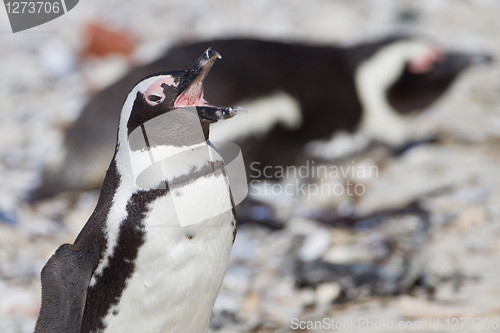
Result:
[65,279]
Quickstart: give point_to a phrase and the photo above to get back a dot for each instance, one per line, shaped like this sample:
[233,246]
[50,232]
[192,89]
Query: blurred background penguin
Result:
[362,89]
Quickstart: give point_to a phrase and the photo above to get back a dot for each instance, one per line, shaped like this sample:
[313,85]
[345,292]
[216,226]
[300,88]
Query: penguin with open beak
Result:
[153,254]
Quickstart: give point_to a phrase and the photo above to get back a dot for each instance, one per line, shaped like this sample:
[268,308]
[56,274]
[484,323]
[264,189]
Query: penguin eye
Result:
[155,94]
[154,98]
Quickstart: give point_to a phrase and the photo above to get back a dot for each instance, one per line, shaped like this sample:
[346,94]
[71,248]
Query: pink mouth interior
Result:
[192,96]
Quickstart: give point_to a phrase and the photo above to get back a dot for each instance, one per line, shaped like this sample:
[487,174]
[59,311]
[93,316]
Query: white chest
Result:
[178,270]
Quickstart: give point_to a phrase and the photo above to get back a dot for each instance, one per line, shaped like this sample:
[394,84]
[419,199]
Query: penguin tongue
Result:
[192,96]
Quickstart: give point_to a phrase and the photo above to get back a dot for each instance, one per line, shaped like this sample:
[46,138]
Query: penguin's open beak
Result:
[191,89]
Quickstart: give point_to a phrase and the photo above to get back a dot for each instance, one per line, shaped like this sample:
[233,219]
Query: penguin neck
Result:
[373,79]
[150,167]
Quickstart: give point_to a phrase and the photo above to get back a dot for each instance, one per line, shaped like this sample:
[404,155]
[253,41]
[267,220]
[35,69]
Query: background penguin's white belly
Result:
[178,271]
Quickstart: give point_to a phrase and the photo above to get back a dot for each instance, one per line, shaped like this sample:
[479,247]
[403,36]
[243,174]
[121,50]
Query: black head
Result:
[428,76]
[163,92]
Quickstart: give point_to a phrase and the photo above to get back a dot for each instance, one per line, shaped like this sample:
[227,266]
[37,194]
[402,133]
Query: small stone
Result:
[308,297]
[326,293]
[315,245]
[470,218]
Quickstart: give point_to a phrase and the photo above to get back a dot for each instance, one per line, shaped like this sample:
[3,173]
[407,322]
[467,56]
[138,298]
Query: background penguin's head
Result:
[426,77]
[411,73]
[164,92]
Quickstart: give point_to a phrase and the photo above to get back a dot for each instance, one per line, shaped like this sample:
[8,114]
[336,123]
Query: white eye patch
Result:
[155,94]
[423,63]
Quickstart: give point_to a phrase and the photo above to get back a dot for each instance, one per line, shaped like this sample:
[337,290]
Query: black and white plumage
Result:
[366,89]
[134,267]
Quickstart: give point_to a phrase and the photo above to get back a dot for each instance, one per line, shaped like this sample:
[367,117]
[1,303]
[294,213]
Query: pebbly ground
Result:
[420,246]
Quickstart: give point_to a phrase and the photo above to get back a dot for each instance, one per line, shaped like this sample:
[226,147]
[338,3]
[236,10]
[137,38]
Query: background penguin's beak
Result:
[456,61]
[480,59]
[191,89]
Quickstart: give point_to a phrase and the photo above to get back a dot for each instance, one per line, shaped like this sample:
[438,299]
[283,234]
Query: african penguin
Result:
[154,252]
[318,90]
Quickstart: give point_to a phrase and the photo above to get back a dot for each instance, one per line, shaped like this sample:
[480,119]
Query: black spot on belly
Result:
[189,236]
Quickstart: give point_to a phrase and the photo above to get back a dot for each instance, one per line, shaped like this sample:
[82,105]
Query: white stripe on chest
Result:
[178,160]
[195,202]
[373,78]
[176,279]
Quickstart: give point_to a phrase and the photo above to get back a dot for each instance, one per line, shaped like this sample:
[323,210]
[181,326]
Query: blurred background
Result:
[422,242]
